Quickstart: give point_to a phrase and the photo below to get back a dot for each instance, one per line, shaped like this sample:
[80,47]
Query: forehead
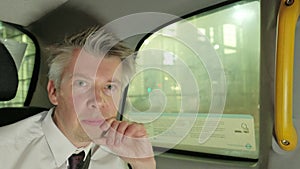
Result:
[86,64]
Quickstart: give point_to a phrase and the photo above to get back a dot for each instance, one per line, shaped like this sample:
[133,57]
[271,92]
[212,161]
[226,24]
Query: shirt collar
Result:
[85,149]
[60,146]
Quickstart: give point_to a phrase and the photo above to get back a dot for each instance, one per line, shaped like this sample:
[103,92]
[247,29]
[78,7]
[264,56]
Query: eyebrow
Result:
[116,80]
[73,75]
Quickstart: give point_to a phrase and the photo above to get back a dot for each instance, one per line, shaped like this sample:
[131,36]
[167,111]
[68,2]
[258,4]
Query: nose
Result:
[96,105]
[92,103]
[96,101]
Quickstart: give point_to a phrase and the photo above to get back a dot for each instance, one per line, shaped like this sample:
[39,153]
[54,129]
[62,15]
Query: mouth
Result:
[92,122]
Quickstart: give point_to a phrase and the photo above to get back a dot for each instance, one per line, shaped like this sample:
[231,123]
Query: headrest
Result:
[8,75]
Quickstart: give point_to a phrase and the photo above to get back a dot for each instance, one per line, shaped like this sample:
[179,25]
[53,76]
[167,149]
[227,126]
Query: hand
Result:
[130,142]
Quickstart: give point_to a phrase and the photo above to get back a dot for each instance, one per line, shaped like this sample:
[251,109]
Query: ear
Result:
[52,92]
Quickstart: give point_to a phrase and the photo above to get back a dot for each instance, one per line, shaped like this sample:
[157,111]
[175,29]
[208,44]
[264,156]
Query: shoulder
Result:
[26,129]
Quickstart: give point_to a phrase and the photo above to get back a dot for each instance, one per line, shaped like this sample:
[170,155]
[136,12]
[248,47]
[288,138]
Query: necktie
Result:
[76,160]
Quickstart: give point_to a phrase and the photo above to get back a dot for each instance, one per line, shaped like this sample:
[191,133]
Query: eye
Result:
[80,83]
[111,89]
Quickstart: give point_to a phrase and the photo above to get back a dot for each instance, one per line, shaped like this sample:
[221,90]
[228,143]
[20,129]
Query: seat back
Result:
[8,89]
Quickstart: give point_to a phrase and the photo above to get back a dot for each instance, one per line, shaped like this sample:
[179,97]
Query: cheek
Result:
[63,99]
[113,104]
[82,94]
[69,103]
[79,100]
[115,99]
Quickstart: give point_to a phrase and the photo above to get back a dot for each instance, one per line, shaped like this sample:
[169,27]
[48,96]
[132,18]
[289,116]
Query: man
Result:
[86,77]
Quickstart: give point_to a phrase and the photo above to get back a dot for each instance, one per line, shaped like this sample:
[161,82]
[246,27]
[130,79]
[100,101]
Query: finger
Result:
[107,124]
[135,130]
[111,134]
[120,132]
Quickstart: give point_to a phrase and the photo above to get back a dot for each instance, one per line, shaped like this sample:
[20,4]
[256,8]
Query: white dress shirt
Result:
[36,143]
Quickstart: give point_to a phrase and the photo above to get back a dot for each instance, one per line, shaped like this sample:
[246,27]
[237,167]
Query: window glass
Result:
[197,84]
[23,52]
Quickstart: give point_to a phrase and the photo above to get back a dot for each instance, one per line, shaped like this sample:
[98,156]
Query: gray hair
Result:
[94,40]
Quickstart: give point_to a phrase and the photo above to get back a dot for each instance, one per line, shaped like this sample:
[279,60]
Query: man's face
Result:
[89,94]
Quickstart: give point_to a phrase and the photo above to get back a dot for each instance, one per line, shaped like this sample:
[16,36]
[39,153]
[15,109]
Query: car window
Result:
[197,86]
[23,50]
